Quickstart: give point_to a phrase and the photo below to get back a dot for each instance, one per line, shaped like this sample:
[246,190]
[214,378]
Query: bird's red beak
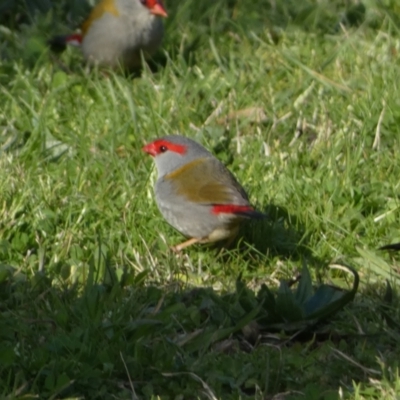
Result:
[158,9]
[150,149]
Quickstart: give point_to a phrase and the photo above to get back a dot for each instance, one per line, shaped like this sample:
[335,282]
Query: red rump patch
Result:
[231,209]
[75,39]
[161,146]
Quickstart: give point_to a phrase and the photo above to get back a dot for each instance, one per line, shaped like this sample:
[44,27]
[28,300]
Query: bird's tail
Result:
[243,210]
[253,214]
[393,246]
[59,43]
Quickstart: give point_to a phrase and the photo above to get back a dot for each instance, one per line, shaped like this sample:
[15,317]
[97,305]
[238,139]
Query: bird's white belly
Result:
[111,40]
[198,221]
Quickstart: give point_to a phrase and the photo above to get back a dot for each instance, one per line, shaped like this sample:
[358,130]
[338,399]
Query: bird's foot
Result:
[179,247]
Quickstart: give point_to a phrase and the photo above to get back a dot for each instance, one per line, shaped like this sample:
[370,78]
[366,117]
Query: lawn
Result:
[301,100]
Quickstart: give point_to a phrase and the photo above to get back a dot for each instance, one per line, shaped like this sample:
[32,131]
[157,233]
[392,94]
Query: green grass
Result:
[94,305]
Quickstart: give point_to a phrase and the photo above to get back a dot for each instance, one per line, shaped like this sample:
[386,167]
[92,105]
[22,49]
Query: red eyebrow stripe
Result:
[176,148]
[230,209]
[74,38]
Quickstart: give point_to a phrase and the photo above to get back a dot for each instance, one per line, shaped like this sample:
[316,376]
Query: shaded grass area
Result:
[301,102]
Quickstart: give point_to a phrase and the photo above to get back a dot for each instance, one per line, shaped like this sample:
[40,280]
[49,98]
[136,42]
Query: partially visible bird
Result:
[196,193]
[117,32]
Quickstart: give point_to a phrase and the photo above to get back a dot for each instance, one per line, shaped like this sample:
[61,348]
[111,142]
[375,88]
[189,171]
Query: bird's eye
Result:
[163,149]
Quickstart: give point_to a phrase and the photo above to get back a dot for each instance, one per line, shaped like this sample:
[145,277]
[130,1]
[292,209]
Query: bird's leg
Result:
[183,245]
[230,240]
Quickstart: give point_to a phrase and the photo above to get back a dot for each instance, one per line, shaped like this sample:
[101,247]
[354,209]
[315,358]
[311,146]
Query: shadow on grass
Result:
[281,235]
[100,340]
